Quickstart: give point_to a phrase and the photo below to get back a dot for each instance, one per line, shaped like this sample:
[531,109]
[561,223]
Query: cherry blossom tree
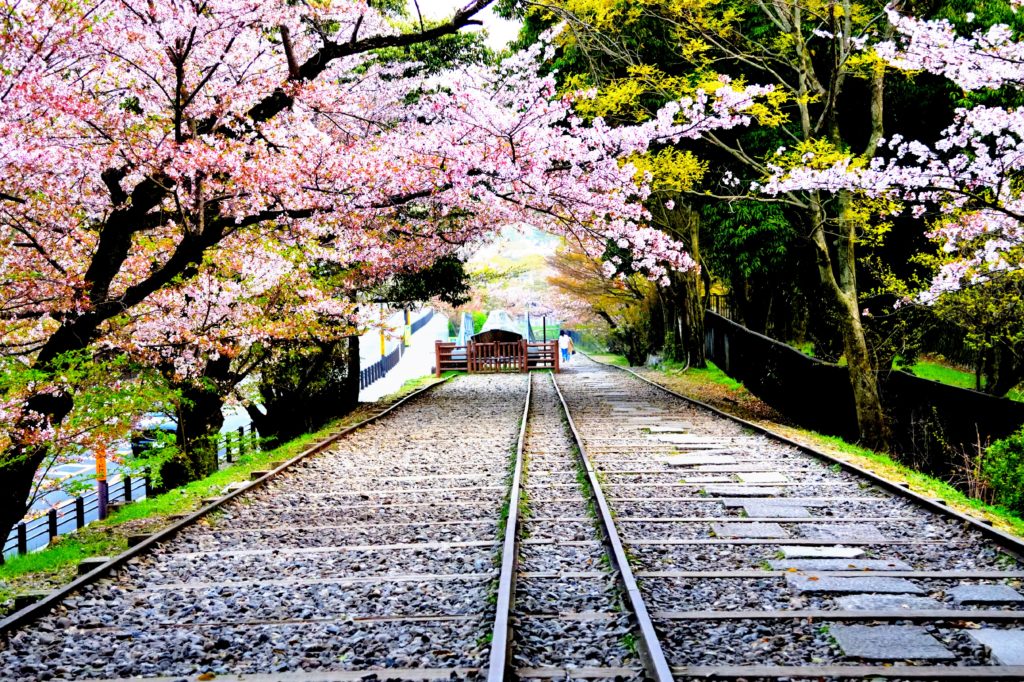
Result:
[824,95]
[971,174]
[146,148]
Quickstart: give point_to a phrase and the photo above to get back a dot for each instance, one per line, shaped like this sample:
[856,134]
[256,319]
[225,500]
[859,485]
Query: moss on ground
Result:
[57,564]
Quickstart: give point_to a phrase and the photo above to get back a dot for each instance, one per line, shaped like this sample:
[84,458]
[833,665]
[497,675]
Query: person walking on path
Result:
[572,346]
[564,343]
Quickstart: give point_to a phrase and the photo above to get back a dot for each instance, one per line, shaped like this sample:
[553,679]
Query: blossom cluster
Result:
[176,178]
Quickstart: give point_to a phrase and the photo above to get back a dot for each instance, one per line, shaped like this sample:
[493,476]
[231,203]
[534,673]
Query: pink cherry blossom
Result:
[173,176]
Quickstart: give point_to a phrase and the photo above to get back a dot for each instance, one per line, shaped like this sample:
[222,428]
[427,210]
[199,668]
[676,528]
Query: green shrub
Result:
[479,318]
[1002,467]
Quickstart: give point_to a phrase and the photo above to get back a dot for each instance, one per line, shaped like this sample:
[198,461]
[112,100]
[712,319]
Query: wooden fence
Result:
[496,356]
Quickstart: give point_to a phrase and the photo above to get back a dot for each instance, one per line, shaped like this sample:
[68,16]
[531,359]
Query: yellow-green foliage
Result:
[770,110]
[629,98]
[604,14]
[671,170]
[816,153]
[865,64]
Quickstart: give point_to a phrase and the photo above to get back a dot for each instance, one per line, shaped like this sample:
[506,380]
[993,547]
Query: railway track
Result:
[570,612]
[512,527]
[759,561]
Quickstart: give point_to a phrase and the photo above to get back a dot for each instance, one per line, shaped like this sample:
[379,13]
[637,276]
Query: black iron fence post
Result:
[127,488]
[79,512]
[22,538]
[51,523]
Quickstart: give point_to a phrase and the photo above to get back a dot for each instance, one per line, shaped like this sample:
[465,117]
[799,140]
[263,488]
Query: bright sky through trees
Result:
[500,32]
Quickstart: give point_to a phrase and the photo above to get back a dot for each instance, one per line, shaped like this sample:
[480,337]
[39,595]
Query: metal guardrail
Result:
[79,511]
[70,515]
[380,369]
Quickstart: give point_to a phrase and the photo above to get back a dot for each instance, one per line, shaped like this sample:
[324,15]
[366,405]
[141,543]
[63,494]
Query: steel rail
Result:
[931,673]
[1013,544]
[648,644]
[409,674]
[499,664]
[824,615]
[47,603]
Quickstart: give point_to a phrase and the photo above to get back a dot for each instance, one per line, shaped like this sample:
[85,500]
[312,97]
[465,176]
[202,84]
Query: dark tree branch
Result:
[112,178]
[131,213]
[116,235]
[419,14]
[355,29]
[278,101]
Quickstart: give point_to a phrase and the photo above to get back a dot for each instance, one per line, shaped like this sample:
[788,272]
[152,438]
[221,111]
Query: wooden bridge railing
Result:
[542,355]
[497,356]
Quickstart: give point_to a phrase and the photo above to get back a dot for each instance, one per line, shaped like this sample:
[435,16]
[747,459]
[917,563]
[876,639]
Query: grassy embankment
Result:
[931,367]
[57,564]
[936,370]
[713,387]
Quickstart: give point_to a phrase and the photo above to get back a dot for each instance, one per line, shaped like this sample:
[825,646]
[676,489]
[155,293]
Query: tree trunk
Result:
[350,392]
[684,302]
[691,321]
[18,476]
[671,344]
[20,461]
[259,420]
[691,304]
[200,418]
[1006,371]
[863,380]
[838,276]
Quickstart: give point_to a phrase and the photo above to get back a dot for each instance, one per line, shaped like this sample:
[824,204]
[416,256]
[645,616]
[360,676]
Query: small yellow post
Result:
[102,491]
[101,463]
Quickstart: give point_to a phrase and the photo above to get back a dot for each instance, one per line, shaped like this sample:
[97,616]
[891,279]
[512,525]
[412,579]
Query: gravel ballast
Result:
[288,595]
[733,500]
